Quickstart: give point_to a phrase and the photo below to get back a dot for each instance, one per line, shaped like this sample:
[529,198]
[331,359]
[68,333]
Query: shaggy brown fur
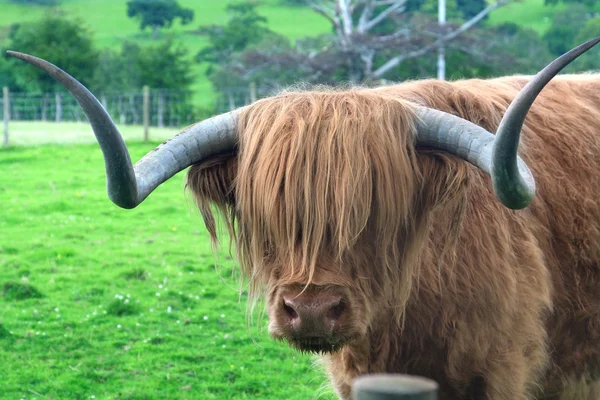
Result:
[329,190]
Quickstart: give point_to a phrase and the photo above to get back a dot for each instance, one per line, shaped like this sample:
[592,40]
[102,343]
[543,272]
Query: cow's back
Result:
[518,275]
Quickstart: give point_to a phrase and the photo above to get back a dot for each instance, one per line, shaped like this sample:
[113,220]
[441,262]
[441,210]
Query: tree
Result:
[371,55]
[58,39]
[502,50]
[470,8]
[7,75]
[158,13]
[244,29]
[118,70]
[165,65]
[565,27]
[589,61]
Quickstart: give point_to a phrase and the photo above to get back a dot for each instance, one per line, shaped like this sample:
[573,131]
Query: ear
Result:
[443,194]
[212,182]
[444,179]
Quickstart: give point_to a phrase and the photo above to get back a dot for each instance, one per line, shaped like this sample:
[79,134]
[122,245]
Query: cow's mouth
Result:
[319,345]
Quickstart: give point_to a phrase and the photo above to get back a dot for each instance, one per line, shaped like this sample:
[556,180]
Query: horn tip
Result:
[15,53]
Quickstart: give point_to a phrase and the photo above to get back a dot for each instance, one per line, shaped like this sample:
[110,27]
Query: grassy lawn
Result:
[31,133]
[100,302]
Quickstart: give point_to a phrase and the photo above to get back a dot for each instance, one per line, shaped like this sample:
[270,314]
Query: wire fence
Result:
[161,108]
[167,107]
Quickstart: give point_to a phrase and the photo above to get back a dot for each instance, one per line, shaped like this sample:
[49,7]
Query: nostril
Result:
[290,312]
[336,311]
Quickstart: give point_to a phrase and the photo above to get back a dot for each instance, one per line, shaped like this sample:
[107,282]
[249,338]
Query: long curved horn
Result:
[129,185]
[496,155]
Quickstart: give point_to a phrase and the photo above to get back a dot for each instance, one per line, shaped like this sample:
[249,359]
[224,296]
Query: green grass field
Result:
[105,303]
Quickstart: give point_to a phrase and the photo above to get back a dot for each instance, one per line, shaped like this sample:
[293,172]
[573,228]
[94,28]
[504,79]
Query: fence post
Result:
[161,109]
[146,112]
[231,101]
[6,113]
[58,101]
[393,387]
[252,92]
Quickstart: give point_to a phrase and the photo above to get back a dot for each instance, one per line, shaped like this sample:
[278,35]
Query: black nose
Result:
[313,315]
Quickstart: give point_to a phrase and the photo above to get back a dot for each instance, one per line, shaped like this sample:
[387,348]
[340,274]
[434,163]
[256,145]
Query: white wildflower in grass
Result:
[158,294]
[160,286]
[56,309]
[177,321]
[169,309]
[222,315]
[151,310]
[126,301]
[128,296]
[137,324]
[118,326]
[197,297]
[205,317]
[226,336]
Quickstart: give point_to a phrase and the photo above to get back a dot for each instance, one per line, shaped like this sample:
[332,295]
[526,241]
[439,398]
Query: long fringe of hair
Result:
[315,170]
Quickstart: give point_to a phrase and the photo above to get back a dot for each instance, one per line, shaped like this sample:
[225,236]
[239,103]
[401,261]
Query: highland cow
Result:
[367,219]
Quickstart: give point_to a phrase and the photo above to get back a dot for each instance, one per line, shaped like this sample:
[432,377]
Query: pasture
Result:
[101,302]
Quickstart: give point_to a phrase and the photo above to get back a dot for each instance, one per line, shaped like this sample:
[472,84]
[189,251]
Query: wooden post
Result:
[6,113]
[161,109]
[252,92]
[146,112]
[393,387]
[231,101]
[58,101]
